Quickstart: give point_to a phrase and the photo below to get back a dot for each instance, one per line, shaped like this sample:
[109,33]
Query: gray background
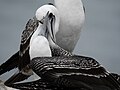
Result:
[100,37]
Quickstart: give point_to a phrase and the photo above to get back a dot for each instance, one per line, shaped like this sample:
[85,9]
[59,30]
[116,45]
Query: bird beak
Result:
[50,25]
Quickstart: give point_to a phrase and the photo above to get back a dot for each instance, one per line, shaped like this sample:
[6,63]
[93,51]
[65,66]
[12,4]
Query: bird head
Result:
[42,12]
[49,19]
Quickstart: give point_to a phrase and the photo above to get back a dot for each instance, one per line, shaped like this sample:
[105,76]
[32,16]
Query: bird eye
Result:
[51,15]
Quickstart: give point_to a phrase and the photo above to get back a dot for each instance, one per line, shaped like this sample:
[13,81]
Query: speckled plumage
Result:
[31,27]
[14,61]
[23,58]
[57,51]
[54,69]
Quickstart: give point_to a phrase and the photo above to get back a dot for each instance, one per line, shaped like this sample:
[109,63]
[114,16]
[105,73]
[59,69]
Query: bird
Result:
[31,26]
[39,45]
[66,72]
[54,36]
[59,70]
[75,11]
[72,18]
[24,57]
[14,61]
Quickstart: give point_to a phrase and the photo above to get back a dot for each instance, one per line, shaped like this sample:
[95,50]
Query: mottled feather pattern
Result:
[30,28]
[53,69]
[58,51]
[76,61]
[74,65]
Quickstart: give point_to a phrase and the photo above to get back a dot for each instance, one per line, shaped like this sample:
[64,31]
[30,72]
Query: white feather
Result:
[72,18]
[39,47]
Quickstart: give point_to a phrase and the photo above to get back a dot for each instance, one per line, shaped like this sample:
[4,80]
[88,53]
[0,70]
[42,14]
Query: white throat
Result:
[40,48]
[39,45]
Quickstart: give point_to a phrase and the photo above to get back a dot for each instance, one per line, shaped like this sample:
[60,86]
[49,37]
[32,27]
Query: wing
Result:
[58,51]
[18,76]
[34,85]
[13,61]
[24,58]
[38,85]
[10,64]
[31,26]
[76,71]
[116,76]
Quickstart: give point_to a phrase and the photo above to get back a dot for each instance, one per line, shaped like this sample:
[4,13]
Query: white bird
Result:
[52,25]
[72,17]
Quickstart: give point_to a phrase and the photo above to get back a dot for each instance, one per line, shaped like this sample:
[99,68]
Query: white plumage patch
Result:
[40,47]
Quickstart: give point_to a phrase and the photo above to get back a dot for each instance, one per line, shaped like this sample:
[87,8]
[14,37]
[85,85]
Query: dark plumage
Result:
[69,73]
[25,41]
[21,58]
[10,64]
[75,72]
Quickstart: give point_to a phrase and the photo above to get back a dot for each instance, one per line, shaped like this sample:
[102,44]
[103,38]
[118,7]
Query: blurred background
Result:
[100,37]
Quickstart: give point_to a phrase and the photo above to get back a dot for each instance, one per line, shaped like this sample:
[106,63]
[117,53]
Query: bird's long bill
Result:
[50,25]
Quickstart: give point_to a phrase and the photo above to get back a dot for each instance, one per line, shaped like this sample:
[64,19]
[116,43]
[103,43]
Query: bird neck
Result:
[71,21]
[39,47]
[51,42]
[56,50]
[35,34]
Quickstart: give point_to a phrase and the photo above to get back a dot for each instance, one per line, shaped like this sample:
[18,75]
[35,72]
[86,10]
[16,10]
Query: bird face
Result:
[49,15]
[48,26]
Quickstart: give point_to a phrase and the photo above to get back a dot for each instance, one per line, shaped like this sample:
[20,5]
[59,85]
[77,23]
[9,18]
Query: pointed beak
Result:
[50,25]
